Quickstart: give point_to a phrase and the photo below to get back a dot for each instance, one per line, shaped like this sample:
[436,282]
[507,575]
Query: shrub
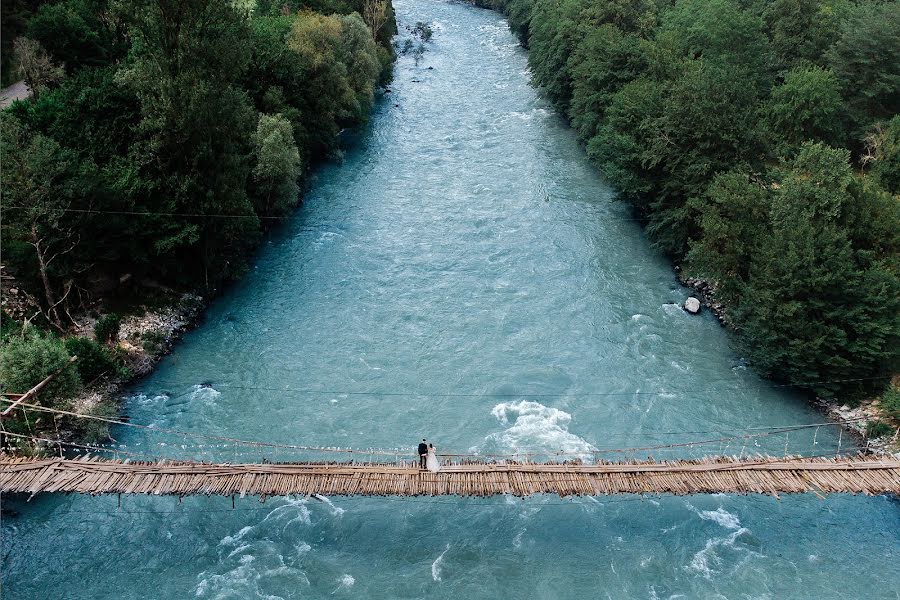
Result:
[107,328]
[877,429]
[24,362]
[153,342]
[94,360]
[890,403]
[8,326]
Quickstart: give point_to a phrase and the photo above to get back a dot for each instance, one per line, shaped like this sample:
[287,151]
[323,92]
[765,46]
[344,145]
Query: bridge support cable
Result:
[520,454]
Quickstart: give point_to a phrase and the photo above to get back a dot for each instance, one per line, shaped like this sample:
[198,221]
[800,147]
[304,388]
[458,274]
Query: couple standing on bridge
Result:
[428,457]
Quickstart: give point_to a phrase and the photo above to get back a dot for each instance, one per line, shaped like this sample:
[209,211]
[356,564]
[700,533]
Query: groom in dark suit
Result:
[423,453]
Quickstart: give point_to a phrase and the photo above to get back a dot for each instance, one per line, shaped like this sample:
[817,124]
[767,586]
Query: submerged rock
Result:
[692,305]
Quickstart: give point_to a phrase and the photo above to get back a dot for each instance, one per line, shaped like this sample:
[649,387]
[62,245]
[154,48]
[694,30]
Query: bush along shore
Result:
[112,350]
[160,142]
[759,142]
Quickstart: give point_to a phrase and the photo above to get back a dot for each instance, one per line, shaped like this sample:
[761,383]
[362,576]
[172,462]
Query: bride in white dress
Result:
[431,461]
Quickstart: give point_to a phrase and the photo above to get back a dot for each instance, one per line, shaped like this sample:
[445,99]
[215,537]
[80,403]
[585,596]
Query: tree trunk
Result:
[45,279]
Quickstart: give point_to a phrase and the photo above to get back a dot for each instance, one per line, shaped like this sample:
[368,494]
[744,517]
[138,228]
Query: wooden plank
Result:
[869,475]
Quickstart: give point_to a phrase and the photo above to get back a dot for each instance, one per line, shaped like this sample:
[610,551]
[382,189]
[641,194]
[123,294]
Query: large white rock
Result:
[692,305]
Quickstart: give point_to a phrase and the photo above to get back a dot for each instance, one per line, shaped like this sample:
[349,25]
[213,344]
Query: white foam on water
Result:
[679,366]
[707,560]
[337,511]
[436,565]
[517,541]
[721,517]
[145,399]
[535,428]
[204,394]
[238,549]
[325,237]
[252,560]
[673,309]
[294,509]
[714,554]
[228,540]
[345,582]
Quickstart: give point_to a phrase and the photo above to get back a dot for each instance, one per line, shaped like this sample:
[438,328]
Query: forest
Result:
[759,141]
[162,138]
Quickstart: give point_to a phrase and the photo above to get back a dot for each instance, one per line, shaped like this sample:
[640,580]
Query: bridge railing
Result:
[153,443]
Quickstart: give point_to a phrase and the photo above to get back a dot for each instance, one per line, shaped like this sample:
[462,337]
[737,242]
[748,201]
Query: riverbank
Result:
[859,417]
[727,202]
[142,338]
[203,158]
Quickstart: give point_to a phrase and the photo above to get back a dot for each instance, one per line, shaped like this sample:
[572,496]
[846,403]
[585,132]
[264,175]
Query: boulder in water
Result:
[692,305]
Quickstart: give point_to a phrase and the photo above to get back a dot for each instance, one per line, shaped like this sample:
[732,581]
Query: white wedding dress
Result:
[431,461]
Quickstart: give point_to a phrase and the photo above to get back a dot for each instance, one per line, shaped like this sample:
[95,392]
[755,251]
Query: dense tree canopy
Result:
[759,141]
[161,137]
[164,129]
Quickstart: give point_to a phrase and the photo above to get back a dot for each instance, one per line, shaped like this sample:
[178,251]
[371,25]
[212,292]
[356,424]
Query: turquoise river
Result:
[464,275]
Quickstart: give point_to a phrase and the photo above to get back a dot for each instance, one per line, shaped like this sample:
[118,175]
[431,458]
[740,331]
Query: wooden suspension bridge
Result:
[764,475]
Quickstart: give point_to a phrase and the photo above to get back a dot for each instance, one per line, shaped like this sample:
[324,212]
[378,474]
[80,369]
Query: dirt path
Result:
[17,91]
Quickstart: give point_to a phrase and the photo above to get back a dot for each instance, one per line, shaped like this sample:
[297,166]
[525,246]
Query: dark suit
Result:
[423,451]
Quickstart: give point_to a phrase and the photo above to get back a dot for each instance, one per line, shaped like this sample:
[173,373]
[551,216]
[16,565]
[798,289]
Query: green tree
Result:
[26,360]
[38,70]
[733,223]
[603,62]
[553,35]
[718,31]
[338,68]
[187,59]
[816,308]
[42,182]
[882,154]
[621,146]
[79,33]
[358,52]
[94,361]
[866,60]
[807,106]
[708,125]
[277,166]
[801,31]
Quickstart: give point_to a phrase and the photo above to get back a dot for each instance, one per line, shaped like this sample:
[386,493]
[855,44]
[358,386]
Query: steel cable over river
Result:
[464,246]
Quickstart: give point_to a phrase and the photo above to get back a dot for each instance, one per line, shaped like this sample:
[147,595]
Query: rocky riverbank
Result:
[143,337]
[142,340]
[857,418]
[705,291]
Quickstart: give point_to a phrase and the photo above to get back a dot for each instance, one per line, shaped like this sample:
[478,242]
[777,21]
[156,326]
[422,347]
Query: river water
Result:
[463,275]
